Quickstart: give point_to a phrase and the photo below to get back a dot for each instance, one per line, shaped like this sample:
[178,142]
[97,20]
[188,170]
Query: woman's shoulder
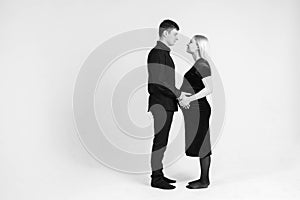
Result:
[202,66]
[201,62]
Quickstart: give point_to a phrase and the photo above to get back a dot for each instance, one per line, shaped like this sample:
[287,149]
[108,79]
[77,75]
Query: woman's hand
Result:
[185,102]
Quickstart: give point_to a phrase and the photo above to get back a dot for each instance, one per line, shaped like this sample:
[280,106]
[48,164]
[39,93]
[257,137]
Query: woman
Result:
[196,109]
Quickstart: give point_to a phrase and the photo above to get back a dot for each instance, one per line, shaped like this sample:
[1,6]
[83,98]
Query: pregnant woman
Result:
[196,109]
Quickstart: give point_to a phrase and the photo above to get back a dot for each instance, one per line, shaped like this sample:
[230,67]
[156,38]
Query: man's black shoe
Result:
[169,180]
[162,184]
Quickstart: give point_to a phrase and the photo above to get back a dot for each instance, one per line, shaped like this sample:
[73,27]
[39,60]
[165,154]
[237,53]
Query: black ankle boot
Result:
[161,184]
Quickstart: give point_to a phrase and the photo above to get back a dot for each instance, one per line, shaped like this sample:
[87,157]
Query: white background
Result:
[255,47]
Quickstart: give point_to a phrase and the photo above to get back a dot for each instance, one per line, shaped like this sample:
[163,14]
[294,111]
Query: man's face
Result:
[171,36]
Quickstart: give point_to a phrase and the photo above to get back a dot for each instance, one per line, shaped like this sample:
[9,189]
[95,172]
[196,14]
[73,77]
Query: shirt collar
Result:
[162,46]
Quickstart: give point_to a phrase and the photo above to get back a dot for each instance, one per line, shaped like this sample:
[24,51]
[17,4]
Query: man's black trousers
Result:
[162,124]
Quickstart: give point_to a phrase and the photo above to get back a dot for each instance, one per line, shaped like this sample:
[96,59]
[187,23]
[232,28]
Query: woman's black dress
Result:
[196,118]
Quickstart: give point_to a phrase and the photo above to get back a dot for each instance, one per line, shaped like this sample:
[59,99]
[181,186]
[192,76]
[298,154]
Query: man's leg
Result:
[162,124]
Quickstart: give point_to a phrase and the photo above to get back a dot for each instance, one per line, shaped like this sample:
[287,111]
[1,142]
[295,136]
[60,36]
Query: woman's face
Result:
[192,46]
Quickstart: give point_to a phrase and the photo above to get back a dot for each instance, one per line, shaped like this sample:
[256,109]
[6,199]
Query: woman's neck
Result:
[196,56]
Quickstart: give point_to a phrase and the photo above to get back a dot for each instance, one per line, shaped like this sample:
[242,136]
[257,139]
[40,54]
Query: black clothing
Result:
[203,181]
[162,184]
[197,132]
[162,102]
[192,82]
[196,118]
[161,78]
[162,124]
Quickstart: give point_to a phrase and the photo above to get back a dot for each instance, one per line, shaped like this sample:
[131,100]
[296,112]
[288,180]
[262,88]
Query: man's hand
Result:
[183,95]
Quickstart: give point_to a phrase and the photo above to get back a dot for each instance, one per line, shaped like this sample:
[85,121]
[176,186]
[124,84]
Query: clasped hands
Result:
[184,100]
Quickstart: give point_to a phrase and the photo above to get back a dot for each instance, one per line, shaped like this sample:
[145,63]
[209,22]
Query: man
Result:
[163,98]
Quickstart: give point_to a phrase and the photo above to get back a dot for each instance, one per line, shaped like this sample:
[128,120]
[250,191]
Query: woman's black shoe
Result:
[197,184]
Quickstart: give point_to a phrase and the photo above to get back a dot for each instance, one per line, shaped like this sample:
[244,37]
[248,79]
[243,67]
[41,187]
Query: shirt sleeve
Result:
[203,69]
[159,72]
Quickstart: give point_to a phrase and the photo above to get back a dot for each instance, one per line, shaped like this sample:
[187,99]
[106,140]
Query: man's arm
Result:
[159,73]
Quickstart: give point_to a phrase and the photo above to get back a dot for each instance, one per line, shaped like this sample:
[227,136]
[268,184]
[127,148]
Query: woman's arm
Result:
[208,89]
[204,72]
[207,81]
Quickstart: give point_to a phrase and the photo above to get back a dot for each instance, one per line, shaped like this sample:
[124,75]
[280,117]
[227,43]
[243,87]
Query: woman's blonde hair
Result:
[202,44]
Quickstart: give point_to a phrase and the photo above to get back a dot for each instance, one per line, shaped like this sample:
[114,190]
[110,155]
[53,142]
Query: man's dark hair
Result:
[167,25]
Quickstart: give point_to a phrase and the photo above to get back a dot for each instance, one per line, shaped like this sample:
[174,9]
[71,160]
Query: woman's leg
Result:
[206,146]
[203,181]
[204,165]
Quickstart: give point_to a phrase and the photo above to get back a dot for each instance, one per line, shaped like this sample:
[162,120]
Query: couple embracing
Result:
[164,99]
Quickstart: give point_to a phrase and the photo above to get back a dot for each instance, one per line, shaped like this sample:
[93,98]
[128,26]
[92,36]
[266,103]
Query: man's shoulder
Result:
[155,54]
[155,51]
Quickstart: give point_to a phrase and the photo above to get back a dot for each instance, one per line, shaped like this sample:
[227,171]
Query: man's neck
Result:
[163,41]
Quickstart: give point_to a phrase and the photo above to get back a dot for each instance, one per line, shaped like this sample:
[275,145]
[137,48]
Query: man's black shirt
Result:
[161,78]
